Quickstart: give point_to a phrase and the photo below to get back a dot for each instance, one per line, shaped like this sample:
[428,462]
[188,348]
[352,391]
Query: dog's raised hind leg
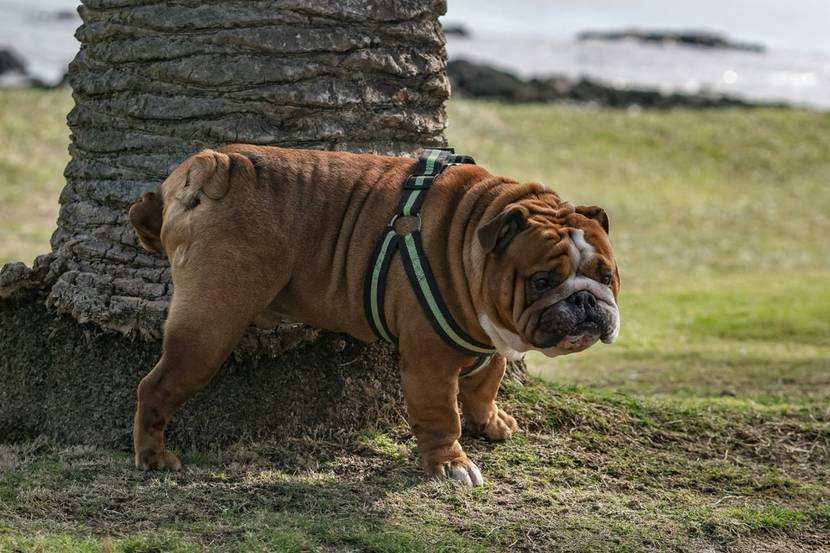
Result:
[208,315]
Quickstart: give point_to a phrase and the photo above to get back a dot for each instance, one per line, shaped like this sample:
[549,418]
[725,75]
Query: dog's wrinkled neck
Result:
[509,344]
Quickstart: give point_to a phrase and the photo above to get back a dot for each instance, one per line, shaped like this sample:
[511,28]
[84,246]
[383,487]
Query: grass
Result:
[35,138]
[719,220]
[592,471]
[706,427]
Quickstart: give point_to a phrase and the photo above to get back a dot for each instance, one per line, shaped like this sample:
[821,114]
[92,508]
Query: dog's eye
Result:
[541,283]
[606,279]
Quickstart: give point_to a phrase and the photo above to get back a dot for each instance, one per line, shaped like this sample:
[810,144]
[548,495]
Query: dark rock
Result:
[457,30]
[55,15]
[13,70]
[64,14]
[10,61]
[701,39]
[36,82]
[482,81]
[590,91]
[475,80]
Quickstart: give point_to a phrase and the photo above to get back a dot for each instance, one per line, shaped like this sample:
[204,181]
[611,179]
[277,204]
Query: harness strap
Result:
[430,164]
[375,289]
[423,282]
[482,363]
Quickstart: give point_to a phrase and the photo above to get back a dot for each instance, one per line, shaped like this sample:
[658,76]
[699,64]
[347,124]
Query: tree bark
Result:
[154,82]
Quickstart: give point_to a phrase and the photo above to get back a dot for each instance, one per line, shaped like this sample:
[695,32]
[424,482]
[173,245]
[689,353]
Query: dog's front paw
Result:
[157,460]
[461,470]
[498,428]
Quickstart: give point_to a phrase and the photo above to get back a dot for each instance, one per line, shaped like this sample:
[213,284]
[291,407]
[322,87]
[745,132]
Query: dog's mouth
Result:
[575,324]
[579,341]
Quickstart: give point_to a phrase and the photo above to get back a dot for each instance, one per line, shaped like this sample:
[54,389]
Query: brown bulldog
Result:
[258,234]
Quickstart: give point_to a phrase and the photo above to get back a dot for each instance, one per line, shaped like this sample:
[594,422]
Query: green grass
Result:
[691,194]
[706,427]
[35,138]
[719,220]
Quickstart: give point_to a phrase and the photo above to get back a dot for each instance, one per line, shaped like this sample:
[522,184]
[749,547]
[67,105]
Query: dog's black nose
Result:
[583,299]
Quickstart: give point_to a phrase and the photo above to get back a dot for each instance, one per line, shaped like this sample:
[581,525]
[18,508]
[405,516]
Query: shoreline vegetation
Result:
[705,428]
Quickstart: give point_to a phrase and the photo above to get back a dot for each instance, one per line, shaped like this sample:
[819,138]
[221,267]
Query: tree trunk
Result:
[154,82]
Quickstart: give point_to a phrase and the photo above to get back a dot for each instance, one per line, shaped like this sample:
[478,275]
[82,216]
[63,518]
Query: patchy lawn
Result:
[592,471]
[705,428]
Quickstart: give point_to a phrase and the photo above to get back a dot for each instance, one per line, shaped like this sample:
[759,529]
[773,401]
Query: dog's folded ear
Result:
[209,172]
[499,231]
[596,213]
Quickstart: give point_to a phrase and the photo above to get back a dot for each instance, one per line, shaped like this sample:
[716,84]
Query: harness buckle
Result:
[401,216]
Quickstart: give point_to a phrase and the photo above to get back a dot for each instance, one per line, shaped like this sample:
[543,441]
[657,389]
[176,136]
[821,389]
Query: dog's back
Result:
[211,174]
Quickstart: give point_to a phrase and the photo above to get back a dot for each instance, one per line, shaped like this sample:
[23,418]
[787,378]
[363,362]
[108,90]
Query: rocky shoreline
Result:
[14,73]
[475,80]
[697,39]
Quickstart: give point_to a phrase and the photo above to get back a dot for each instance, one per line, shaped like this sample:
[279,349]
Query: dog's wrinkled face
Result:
[551,277]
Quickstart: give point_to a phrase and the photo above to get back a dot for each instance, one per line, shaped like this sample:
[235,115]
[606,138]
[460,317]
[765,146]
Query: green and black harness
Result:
[430,164]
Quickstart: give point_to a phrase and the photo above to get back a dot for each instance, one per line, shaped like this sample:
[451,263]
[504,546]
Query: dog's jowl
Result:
[460,268]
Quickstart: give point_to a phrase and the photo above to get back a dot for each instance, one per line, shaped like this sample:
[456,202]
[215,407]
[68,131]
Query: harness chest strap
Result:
[416,265]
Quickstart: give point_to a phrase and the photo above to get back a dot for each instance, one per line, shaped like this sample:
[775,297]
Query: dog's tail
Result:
[146,217]
[207,172]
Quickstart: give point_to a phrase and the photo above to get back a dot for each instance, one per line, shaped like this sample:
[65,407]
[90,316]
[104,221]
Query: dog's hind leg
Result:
[482,417]
[208,315]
